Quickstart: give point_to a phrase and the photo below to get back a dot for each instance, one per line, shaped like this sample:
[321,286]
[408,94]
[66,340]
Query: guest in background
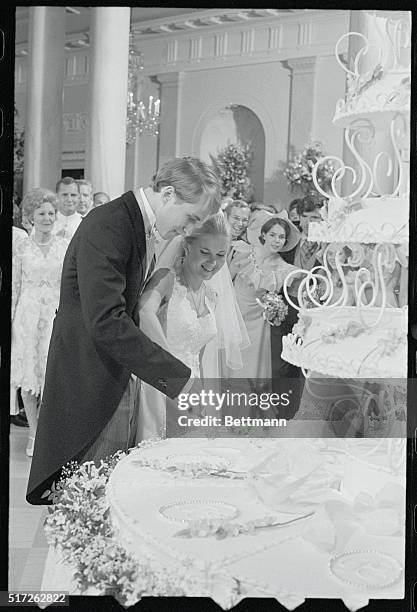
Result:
[237,215]
[37,266]
[293,215]
[85,203]
[256,271]
[306,252]
[100,198]
[67,218]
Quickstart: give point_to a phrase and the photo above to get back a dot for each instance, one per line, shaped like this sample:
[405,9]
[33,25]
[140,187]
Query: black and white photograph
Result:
[209,352]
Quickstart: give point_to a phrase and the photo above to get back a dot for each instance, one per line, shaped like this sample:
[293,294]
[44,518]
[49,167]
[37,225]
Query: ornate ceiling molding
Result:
[202,21]
[212,18]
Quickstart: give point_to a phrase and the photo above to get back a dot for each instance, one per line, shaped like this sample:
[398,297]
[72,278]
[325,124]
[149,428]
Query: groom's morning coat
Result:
[96,342]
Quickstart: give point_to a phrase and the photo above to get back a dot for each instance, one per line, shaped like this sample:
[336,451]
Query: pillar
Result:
[106,134]
[43,125]
[168,132]
[302,93]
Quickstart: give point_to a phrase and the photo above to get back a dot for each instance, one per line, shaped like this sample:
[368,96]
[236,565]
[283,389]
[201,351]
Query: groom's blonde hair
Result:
[192,179]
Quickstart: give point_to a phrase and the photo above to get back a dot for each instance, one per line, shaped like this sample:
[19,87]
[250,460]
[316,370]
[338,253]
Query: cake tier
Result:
[378,100]
[333,342]
[379,463]
[371,220]
[149,505]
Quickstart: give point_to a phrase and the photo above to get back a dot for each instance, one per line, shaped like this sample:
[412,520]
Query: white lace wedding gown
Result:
[187,334]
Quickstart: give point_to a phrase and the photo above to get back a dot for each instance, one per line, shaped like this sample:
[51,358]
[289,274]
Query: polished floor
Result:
[27,543]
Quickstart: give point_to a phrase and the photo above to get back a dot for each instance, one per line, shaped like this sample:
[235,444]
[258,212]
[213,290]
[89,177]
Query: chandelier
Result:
[142,118]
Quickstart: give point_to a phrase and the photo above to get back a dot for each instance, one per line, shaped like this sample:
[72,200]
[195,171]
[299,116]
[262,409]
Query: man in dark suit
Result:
[89,405]
[306,252]
[237,214]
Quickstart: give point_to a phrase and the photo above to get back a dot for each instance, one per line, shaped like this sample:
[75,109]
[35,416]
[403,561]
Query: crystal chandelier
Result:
[142,118]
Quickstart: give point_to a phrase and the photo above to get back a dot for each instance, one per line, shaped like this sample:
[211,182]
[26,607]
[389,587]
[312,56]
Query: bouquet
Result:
[299,171]
[274,308]
[232,166]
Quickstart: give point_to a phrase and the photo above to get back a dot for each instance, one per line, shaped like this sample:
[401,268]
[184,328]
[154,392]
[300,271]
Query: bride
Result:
[189,308]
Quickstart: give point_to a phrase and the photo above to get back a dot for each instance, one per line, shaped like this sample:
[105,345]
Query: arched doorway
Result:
[232,124]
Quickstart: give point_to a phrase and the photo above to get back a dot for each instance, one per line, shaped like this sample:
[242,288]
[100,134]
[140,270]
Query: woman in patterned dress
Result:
[37,267]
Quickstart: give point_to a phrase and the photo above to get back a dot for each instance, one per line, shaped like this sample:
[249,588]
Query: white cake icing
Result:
[376,207]
[230,569]
[378,77]
[380,99]
[370,220]
[136,495]
[372,464]
[378,352]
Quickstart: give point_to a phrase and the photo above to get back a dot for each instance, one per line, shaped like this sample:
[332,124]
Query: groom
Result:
[89,406]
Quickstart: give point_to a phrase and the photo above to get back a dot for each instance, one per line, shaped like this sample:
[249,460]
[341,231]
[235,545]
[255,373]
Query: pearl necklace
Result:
[41,244]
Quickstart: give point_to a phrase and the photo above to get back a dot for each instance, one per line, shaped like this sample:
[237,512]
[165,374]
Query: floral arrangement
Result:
[79,525]
[18,158]
[310,297]
[300,328]
[393,340]
[183,470]
[335,333]
[274,308]
[298,171]
[19,143]
[231,165]
[221,529]
[357,84]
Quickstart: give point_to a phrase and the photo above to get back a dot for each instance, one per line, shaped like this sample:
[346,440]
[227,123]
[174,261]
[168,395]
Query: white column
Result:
[302,98]
[168,132]
[43,125]
[106,135]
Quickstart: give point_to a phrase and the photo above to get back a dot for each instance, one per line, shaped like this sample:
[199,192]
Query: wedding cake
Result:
[379,81]
[157,492]
[377,101]
[373,465]
[345,343]
[352,313]
[211,508]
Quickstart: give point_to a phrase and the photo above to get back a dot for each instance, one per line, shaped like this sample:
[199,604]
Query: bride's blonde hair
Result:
[214,225]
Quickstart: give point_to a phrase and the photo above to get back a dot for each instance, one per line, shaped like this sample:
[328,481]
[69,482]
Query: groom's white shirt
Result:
[149,222]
